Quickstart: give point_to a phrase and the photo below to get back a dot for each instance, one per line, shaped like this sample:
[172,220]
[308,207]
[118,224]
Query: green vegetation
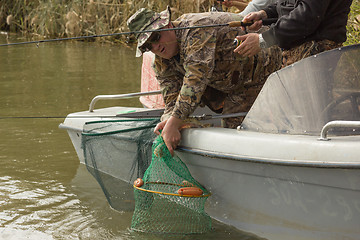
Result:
[353,27]
[66,18]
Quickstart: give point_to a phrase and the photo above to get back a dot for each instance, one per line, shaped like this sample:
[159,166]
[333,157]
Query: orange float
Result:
[192,191]
[138,182]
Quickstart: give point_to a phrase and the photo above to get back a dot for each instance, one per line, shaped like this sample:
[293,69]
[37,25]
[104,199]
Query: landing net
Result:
[168,199]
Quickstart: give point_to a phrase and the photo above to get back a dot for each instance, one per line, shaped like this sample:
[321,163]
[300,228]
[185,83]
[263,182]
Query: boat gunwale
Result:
[214,154]
[295,163]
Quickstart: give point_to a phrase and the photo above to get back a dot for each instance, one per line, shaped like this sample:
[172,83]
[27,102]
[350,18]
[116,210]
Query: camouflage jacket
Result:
[206,58]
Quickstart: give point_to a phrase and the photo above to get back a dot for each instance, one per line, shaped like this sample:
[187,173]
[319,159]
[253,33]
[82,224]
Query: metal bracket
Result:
[120,96]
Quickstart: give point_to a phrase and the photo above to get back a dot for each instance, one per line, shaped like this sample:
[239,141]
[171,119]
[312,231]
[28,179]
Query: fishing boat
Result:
[291,170]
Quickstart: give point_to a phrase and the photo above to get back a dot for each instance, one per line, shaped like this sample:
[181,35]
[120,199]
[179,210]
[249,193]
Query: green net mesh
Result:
[168,199]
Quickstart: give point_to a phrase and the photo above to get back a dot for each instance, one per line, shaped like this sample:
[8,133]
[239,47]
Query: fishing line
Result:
[230,24]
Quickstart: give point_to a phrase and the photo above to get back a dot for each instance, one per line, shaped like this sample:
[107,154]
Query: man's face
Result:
[166,45]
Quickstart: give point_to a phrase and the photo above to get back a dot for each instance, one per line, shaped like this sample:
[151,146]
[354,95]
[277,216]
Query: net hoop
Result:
[170,194]
[122,130]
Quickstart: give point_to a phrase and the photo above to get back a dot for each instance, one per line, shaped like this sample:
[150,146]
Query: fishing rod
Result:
[230,24]
[133,115]
[52,117]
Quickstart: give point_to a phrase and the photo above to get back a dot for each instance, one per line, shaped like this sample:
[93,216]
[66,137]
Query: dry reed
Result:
[62,18]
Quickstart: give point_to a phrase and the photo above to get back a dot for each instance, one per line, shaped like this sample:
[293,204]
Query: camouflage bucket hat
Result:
[146,19]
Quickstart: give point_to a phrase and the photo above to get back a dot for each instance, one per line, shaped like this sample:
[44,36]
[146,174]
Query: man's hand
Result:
[170,132]
[249,46]
[159,126]
[255,17]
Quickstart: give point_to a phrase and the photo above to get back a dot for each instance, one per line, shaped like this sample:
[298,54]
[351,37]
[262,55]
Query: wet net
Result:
[168,199]
[118,151]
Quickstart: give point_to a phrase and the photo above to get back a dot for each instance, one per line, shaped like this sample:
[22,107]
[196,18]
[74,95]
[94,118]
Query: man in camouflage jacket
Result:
[198,65]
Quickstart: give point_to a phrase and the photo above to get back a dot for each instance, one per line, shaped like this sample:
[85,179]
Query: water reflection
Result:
[44,192]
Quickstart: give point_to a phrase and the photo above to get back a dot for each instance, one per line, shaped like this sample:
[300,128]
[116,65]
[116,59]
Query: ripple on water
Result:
[23,234]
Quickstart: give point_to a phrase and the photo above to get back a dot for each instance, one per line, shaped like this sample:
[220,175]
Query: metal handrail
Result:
[120,96]
[333,124]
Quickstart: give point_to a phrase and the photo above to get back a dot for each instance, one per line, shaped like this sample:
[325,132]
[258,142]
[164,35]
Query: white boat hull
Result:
[279,201]
[275,186]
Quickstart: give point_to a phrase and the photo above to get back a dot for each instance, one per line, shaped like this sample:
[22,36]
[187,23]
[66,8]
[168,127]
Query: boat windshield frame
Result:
[303,97]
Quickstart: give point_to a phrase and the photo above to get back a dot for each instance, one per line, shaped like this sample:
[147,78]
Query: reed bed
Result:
[68,18]
[59,18]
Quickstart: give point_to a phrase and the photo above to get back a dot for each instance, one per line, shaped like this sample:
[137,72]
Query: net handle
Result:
[170,194]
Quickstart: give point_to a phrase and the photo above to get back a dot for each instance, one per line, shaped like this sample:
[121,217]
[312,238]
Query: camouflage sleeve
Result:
[198,49]
[170,84]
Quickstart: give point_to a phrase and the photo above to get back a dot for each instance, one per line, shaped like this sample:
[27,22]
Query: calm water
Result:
[44,192]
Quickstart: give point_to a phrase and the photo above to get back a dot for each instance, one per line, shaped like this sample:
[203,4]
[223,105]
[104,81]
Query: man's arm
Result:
[298,24]
[289,31]
[170,82]
[256,5]
[199,52]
